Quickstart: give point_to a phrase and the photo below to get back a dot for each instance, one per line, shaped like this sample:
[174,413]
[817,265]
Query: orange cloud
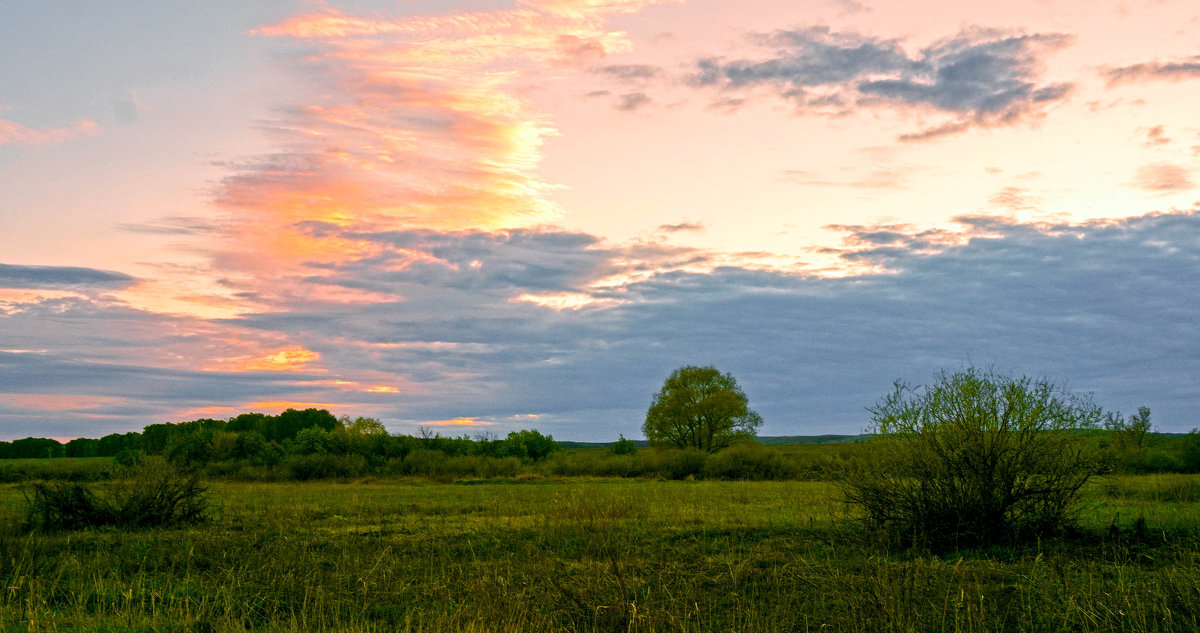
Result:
[292,359]
[17,134]
[416,122]
[59,402]
[459,422]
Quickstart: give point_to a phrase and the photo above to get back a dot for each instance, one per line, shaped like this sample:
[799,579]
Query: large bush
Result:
[975,457]
[152,494]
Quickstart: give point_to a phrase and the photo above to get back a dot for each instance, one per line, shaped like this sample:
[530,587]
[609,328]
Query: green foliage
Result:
[32,448]
[528,444]
[748,462]
[316,440]
[62,469]
[699,407]
[1189,452]
[623,446]
[154,495]
[289,423]
[82,447]
[324,466]
[974,457]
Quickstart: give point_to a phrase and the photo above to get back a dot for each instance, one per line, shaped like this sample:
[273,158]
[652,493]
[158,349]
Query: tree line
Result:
[262,439]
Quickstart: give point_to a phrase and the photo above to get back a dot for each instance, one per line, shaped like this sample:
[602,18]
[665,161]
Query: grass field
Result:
[594,555]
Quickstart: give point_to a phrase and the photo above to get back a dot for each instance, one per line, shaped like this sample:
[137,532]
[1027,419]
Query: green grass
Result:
[67,469]
[598,555]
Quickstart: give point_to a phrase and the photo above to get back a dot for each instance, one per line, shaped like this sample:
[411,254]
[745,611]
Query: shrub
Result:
[622,447]
[155,495]
[670,463]
[324,466]
[1189,452]
[749,462]
[974,458]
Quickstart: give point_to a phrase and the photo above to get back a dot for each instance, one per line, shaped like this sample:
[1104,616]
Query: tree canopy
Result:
[699,407]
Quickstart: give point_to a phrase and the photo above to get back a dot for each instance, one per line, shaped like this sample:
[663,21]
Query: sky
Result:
[478,216]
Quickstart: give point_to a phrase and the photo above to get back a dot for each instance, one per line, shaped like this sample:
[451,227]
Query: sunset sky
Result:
[490,215]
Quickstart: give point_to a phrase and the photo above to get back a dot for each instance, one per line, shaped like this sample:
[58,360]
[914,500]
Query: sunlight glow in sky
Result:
[525,214]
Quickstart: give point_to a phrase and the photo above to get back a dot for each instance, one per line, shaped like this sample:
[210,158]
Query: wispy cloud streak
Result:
[1175,70]
[13,133]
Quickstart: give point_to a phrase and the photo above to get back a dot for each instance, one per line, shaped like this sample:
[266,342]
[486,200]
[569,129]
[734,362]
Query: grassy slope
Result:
[599,555]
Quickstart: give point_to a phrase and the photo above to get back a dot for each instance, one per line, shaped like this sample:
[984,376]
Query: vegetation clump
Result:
[974,458]
[155,495]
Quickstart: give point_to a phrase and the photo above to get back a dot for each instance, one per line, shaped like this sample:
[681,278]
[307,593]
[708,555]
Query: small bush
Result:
[66,506]
[155,495]
[623,446]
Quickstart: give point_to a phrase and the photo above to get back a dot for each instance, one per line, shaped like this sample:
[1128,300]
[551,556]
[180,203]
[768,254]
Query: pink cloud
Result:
[12,133]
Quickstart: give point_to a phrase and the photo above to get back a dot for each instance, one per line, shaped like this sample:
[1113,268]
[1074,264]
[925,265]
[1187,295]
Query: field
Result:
[595,555]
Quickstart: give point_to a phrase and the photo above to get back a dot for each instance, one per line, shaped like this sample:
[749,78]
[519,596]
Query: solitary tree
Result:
[699,407]
[974,457]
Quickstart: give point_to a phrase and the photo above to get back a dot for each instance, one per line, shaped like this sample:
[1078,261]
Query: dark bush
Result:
[1189,452]
[155,495]
[324,466]
[66,506]
[670,463]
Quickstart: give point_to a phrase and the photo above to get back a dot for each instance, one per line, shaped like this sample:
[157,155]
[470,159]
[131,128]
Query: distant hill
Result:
[776,440]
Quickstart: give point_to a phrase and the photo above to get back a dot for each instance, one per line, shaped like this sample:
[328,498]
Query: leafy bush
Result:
[155,495]
[748,462]
[1189,452]
[623,447]
[974,458]
[670,463]
[591,463]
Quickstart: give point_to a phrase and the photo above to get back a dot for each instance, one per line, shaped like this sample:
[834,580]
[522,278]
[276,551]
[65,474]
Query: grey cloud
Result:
[813,352]
[70,277]
[681,227]
[1178,70]
[1105,306]
[631,72]
[633,101]
[979,78]
[176,225]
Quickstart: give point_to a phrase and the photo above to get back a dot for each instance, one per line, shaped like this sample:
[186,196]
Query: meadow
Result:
[552,553]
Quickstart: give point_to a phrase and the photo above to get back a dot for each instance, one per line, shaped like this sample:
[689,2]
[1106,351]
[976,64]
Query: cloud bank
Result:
[1104,306]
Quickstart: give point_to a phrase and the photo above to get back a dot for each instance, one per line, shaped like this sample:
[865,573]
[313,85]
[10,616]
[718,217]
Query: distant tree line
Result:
[310,439]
